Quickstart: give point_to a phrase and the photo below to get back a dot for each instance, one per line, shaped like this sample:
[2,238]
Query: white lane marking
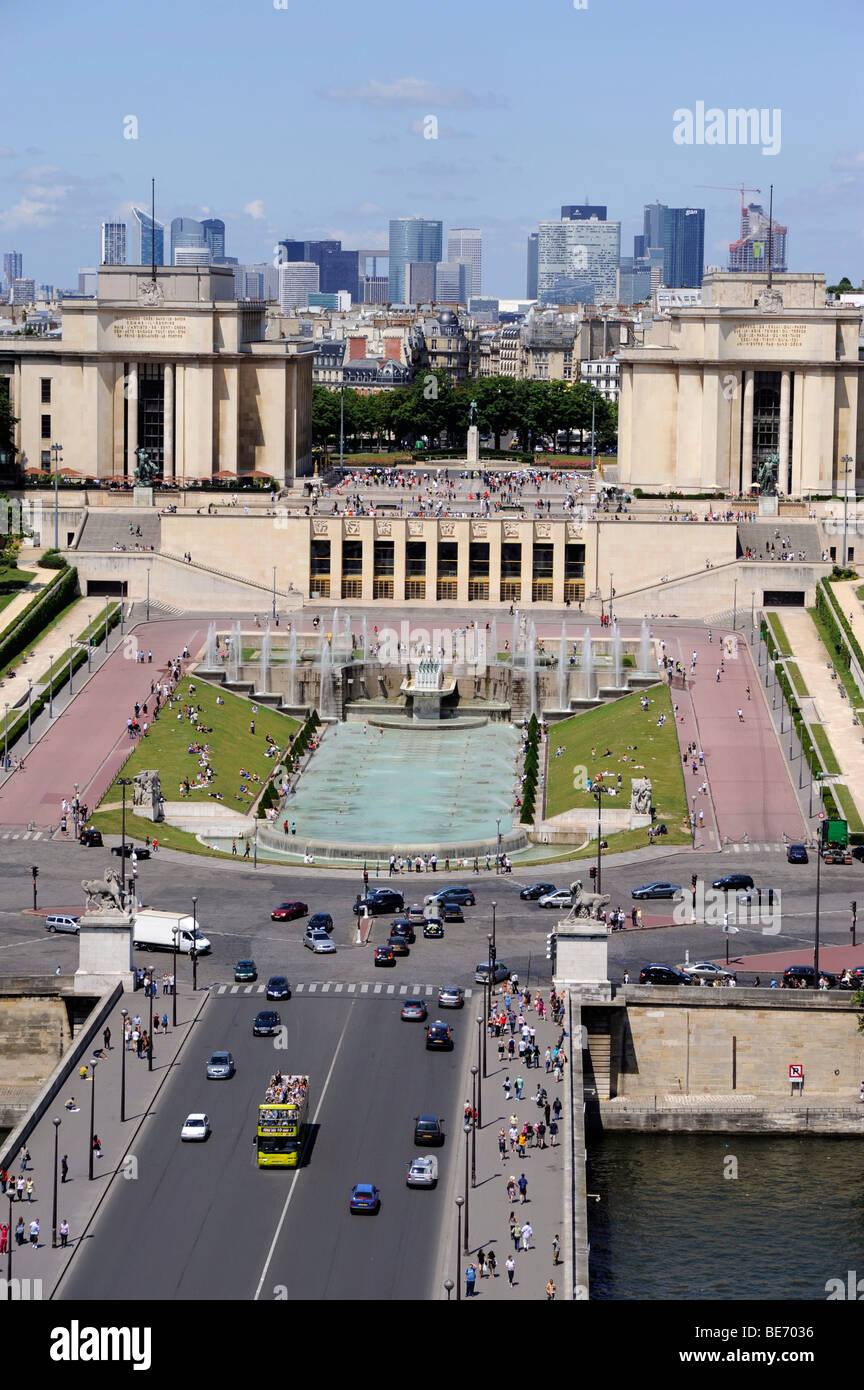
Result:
[352,988]
[378,988]
[27,834]
[403,989]
[297,1171]
[235,989]
[248,989]
[391,989]
[298,989]
[324,988]
[339,988]
[222,989]
[364,989]
[312,988]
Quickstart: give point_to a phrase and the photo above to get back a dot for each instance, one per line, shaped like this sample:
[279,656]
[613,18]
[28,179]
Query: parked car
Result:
[320,921]
[195,1127]
[797,854]
[278,987]
[500,972]
[537,890]
[245,971]
[414,1011]
[733,881]
[659,889]
[220,1066]
[423,1172]
[451,997]
[61,921]
[384,955]
[126,851]
[706,970]
[560,898]
[405,930]
[794,974]
[379,900]
[451,912]
[266,1023]
[319,942]
[428,1129]
[439,1037]
[663,975]
[91,837]
[365,1197]
[286,912]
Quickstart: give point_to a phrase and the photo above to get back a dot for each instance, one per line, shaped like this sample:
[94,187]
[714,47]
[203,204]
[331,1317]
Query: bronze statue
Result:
[147,468]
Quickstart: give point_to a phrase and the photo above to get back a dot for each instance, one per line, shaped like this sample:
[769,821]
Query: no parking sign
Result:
[796,1077]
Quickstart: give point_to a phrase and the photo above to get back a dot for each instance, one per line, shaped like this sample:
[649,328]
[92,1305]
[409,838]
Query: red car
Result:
[286,912]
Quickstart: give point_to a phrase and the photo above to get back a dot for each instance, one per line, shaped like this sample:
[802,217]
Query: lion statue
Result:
[585,904]
[103,894]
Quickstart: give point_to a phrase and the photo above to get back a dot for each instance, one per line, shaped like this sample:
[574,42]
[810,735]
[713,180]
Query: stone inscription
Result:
[150,327]
[770,335]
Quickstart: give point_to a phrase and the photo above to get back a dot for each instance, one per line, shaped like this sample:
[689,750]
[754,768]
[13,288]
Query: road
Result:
[236,1231]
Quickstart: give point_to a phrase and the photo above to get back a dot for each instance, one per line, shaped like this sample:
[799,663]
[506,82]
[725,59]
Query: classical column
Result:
[168,423]
[783,473]
[179,420]
[747,434]
[131,417]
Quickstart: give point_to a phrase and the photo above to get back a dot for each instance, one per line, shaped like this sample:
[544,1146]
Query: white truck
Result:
[157,931]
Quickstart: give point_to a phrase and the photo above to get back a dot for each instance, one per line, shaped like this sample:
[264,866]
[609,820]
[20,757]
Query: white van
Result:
[156,931]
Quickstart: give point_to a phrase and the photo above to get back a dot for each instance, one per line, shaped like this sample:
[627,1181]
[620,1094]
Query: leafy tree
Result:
[844,287]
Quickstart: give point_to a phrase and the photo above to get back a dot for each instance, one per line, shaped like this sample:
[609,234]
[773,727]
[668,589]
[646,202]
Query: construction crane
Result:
[740,189]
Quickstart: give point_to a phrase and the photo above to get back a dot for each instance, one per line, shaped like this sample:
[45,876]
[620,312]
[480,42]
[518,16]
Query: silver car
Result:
[707,970]
[451,997]
[423,1172]
[220,1066]
[319,942]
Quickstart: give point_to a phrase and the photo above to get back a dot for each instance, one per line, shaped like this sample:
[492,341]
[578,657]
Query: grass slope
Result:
[615,726]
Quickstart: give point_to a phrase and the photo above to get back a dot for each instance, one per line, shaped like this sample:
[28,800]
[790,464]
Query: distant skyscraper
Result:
[13,266]
[113,250]
[466,244]
[453,282]
[337,269]
[750,252]
[87,279]
[192,255]
[580,212]
[575,255]
[531,282]
[296,280]
[186,234]
[150,234]
[23,291]
[420,287]
[214,237]
[411,239]
[681,233]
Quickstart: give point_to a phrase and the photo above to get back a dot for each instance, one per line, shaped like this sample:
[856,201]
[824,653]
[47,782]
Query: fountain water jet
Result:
[616,654]
[589,689]
[645,649]
[210,653]
[563,673]
[292,667]
[236,649]
[264,664]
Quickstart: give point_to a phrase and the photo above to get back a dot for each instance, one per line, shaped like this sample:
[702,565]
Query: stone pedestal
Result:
[473,450]
[582,958]
[142,496]
[104,952]
[768,506]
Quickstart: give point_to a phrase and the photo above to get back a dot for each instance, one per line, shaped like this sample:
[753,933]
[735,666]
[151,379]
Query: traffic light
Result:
[854,907]
[35,871]
[592,872]
[551,945]
[694,879]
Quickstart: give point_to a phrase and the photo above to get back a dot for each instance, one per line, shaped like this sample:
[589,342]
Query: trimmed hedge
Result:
[837,623]
[53,560]
[37,615]
[296,748]
[531,769]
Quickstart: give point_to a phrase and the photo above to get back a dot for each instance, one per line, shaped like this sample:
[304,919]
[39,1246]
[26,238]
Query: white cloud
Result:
[413,91]
[26,213]
[255,209]
[6,152]
[849,161]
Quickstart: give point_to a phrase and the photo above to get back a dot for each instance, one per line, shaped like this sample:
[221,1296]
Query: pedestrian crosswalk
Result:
[21,835]
[756,847]
[374,987]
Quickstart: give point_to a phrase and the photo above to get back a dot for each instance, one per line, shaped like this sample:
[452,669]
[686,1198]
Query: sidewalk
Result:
[34,663]
[78,1199]
[488,1207]
[832,709]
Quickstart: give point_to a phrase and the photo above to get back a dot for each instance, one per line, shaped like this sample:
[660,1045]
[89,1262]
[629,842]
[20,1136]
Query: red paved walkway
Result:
[88,742]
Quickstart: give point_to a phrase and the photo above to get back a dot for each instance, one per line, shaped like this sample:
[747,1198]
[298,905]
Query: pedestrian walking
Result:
[481,1263]
[246,851]
[492,1264]
[522,1184]
[97,1146]
[20,1184]
[510,1266]
[502,1143]
[25,1159]
[34,1233]
[556,1250]
[20,1229]
[740,716]
[4,1237]
[553,1133]
[520,1086]
[557,1107]
[470,1280]
[4,1173]
[551,1291]
[29,1189]
[64,1168]
[527,1233]
[106,1039]
[505,1086]
[511,1191]
[64,1234]
[515,1232]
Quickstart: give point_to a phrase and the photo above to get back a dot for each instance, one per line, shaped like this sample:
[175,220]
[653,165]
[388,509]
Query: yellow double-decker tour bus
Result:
[283,1122]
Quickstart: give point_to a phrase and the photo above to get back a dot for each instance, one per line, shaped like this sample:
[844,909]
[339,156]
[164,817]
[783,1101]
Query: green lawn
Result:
[779,632]
[616,726]
[844,800]
[826,752]
[843,672]
[797,680]
[232,746]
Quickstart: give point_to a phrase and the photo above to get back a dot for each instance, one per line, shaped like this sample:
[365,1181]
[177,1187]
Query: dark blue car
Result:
[365,1197]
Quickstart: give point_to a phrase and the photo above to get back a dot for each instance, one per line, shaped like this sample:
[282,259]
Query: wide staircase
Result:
[104,529]
[803,535]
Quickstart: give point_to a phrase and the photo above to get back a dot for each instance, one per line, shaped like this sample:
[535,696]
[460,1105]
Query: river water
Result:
[670,1225]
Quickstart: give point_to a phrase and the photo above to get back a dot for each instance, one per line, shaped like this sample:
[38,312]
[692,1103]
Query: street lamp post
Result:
[6,737]
[174,977]
[29,708]
[342,447]
[71,654]
[57,451]
[460,1202]
[498,846]
[56,1123]
[89,641]
[494,938]
[274,593]
[124,1014]
[693,824]
[123,782]
[150,989]
[735,606]
[149,567]
[106,627]
[467,1127]
[597,793]
[93,1065]
[9,1252]
[76,809]
[194,951]
[481,1059]
[846,460]
[474,1073]
[50,687]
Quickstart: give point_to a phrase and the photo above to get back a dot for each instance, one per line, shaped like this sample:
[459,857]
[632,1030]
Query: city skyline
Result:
[453,140]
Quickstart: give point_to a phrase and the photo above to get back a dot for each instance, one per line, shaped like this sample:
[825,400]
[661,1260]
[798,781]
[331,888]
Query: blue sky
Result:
[308,120]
